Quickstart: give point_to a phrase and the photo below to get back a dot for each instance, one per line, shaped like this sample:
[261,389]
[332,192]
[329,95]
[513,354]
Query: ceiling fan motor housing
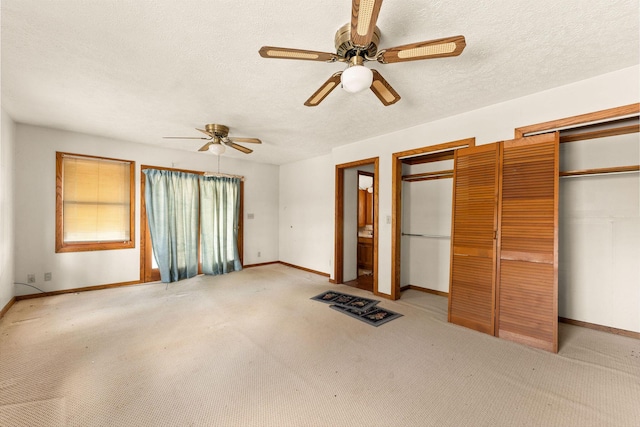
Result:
[346,49]
[221,131]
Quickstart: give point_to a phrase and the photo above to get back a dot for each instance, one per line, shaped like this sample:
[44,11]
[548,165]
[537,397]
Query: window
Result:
[94,203]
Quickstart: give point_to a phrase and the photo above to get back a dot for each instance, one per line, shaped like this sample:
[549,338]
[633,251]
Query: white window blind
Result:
[96,199]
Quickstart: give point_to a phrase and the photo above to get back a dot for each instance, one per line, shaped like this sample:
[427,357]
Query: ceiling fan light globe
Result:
[356,78]
[217,149]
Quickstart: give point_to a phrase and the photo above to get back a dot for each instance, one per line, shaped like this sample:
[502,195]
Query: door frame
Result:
[338,263]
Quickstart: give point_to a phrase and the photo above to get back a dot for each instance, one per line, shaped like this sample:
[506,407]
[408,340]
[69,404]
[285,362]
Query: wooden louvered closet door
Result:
[527,279]
[473,243]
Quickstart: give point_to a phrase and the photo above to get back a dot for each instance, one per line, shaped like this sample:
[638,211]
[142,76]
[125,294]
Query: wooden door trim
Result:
[396,200]
[497,241]
[579,119]
[338,250]
[556,239]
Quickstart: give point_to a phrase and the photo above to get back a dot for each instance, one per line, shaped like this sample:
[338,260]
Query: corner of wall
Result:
[7,237]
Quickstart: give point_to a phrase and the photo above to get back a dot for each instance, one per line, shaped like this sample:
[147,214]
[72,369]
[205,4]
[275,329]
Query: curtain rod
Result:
[226,175]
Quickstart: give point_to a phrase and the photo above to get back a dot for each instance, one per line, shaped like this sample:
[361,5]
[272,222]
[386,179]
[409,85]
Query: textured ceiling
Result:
[139,70]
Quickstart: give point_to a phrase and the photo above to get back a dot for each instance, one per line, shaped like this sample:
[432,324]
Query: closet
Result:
[599,226]
[421,217]
[546,227]
[427,188]
[504,250]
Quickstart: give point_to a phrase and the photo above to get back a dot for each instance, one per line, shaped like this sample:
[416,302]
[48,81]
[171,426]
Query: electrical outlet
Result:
[31,278]
[47,277]
[258,254]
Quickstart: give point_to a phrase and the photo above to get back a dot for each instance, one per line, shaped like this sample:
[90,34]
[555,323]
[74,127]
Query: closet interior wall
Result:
[426,224]
[599,241]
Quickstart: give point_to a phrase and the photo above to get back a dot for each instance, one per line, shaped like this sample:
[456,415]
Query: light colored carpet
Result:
[251,349]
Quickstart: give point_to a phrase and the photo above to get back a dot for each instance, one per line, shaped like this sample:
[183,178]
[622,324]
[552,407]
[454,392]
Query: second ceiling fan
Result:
[217,138]
[356,43]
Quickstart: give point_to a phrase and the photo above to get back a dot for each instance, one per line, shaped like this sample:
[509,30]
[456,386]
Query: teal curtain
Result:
[172,211]
[219,213]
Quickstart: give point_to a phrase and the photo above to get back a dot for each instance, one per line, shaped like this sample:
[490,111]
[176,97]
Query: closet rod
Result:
[428,175]
[430,236]
[600,171]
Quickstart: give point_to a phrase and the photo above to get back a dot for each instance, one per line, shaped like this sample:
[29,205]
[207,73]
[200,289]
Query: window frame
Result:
[61,245]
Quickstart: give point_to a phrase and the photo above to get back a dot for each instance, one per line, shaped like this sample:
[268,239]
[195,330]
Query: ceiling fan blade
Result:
[383,90]
[450,46]
[364,14]
[205,147]
[183,137]
[245,150]
[324,90]
[251,140]
[210,135]
[286,53]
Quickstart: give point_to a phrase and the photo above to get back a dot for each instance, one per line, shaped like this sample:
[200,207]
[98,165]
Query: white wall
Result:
[306,213]
[34,186]
[365,181]
[489,124]
[307,193]
[7,147]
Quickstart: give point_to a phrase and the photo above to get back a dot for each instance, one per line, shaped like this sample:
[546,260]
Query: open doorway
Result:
[365,215]
[356,232]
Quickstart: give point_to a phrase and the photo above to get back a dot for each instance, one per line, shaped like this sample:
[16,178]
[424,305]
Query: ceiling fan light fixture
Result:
[217,148]
[356,78]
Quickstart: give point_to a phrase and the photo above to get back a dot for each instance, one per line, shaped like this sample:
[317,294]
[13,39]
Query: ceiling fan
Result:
[356,43]
[217,138]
